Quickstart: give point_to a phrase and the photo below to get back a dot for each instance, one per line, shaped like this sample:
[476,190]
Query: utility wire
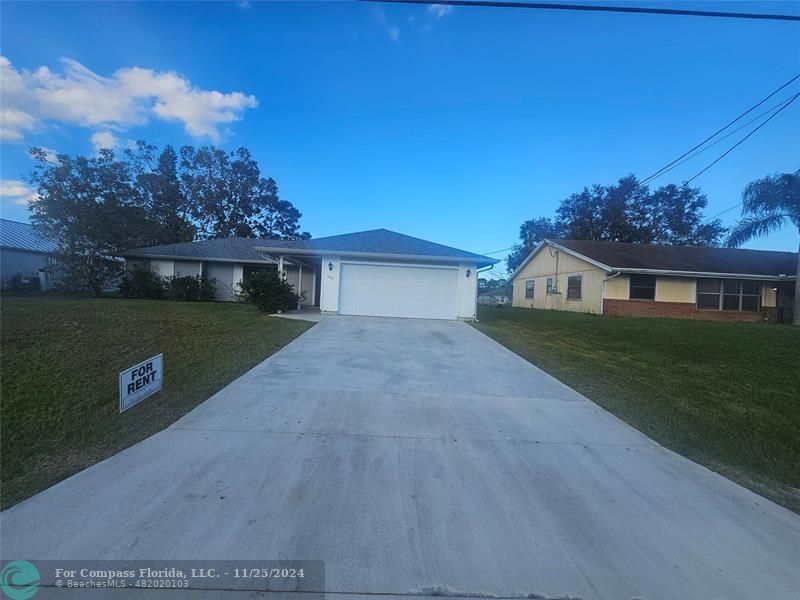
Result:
[713,135]
[598,8]
[744,139]
[724,211]
[714,143]
[497,251]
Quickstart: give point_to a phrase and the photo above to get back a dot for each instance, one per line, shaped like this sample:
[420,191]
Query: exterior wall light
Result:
[330,266]
[469,272]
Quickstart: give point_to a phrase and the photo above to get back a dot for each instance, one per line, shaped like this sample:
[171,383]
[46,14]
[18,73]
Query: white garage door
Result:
[398,291]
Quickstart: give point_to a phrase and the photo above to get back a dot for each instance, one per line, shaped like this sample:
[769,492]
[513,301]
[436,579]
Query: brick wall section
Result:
[674,310]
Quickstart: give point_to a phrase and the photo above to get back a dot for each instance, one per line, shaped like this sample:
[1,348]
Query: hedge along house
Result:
[371,273]
[692,282]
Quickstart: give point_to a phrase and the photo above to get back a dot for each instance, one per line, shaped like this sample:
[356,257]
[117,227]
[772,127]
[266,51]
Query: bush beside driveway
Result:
[726,395]
[60,362]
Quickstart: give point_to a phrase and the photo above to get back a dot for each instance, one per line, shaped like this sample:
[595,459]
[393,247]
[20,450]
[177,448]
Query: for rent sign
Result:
[140,381]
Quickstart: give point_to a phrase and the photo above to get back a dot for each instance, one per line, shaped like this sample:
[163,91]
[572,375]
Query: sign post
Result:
[140,381]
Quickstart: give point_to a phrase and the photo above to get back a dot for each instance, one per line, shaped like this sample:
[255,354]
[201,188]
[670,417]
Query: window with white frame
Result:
[728,294]
[550,288]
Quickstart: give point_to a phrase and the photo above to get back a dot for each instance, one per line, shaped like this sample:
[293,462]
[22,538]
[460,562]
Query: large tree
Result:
[531,234]
[99,206]
[767,205]
[229,197]
[626,211]
[157,179]
[92,208]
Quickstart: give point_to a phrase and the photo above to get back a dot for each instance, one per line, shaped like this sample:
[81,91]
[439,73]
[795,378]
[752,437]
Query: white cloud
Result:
[130,97]
[104,140]
[19,191]
[13,123]
[394,32]
[440,10]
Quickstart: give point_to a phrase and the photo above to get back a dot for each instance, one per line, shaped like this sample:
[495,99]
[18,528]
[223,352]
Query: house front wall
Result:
[559,266]
[227,275]
[674,297]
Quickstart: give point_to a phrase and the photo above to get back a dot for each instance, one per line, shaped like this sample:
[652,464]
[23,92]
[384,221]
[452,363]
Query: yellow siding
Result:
[768,295]
[618,288]
[544,266]
[675,289]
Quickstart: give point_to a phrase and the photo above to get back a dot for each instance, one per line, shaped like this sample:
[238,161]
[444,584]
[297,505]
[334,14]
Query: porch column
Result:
[280,267]
[299,285]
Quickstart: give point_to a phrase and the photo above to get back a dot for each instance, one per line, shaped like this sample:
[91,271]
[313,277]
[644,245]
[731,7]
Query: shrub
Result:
[183,288]
[189,288]
[208,288]
[142,283]
[268,292]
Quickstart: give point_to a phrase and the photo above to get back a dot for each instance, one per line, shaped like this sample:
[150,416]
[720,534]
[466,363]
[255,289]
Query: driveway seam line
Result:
[411,437]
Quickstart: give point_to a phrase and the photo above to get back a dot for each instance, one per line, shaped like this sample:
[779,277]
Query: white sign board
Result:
[140,381]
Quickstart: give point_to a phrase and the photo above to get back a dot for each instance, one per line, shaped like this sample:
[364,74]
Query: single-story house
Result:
[373,273]
[693,282]
[26,258]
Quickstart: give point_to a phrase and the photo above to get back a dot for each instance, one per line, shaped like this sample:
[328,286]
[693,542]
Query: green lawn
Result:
[59,365]
[726,395]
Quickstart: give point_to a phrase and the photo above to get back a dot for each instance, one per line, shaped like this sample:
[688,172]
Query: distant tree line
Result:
[627,211]
[97,207]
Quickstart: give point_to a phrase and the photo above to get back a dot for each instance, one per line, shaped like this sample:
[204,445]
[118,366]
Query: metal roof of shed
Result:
[22,236]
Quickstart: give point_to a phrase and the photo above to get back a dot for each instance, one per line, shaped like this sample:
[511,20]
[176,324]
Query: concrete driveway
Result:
[414,456]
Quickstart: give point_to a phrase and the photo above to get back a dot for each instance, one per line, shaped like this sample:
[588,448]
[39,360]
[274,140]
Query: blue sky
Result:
[453,126]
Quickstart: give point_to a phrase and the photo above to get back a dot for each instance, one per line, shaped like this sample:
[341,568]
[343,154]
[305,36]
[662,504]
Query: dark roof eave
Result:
[669,272]
[194,258]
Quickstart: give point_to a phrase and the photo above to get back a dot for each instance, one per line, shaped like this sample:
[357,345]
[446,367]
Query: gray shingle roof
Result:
[696,259]
[22,236]
[222,249]
[376,241]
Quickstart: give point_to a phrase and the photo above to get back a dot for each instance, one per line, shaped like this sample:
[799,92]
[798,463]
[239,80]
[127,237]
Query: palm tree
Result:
[767,204]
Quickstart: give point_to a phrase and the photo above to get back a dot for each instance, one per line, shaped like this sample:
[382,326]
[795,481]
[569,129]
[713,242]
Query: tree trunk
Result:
[796,309]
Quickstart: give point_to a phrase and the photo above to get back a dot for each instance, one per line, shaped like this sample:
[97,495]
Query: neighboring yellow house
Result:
[695,282]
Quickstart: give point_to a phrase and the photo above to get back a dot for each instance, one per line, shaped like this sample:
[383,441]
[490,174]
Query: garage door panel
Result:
[398,291]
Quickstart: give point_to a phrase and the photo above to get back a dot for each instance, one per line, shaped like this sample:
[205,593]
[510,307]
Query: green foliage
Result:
[268,292]
[98,207]
[162,194]
[230,198]
[768,204]
[624,212]
[142,283]
[145,284]
[190,288]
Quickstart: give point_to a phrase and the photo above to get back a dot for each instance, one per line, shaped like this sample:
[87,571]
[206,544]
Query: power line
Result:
[744,139]
[724,211]
[713,135]
[592,8]
[498,251]
[714,143]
